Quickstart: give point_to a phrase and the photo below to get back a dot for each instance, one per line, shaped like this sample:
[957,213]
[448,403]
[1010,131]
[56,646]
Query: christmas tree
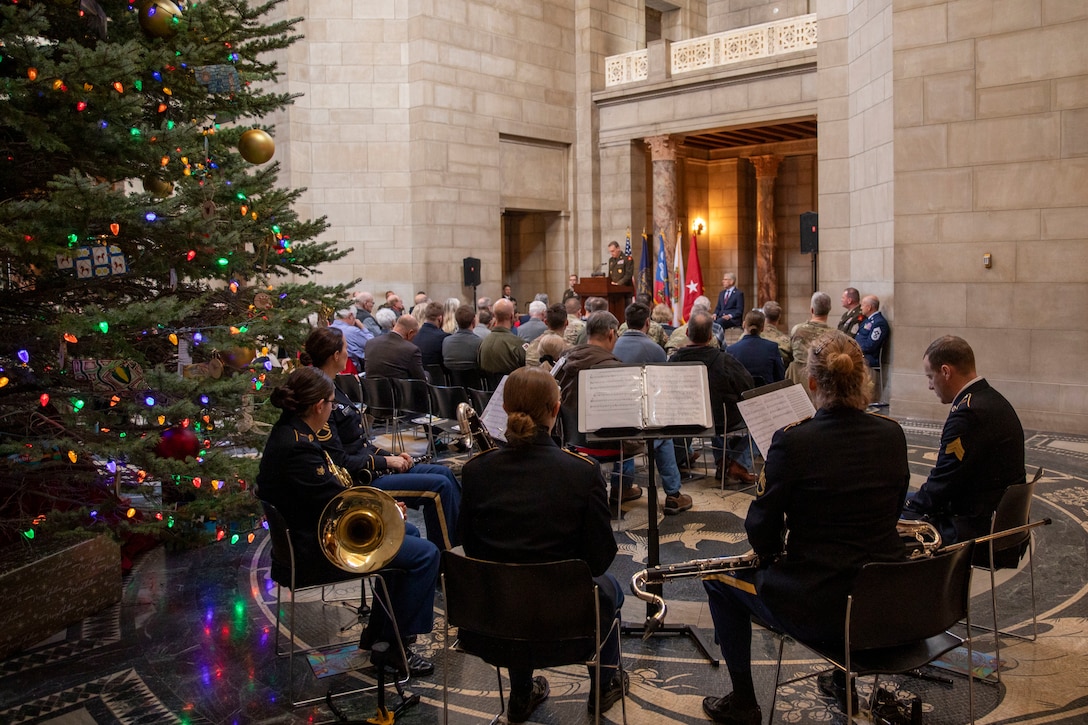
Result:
[153,273]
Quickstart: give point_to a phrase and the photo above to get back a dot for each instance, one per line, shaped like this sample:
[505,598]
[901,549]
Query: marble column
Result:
[766,233]
[663,156]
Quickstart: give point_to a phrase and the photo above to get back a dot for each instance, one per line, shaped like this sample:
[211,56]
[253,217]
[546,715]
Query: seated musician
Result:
[346,442]
[296,476]
[533,502]
[836,481]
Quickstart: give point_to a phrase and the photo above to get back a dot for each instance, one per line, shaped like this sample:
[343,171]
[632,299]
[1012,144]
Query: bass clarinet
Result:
[920,538]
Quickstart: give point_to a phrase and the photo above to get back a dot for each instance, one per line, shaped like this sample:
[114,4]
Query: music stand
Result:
[649,435]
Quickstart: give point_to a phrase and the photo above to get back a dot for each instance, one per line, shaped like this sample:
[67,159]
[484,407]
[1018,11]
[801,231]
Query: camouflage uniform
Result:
[772,333]
[801,336]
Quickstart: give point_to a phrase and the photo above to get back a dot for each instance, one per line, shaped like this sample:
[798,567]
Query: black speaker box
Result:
[471,272]
[810,232]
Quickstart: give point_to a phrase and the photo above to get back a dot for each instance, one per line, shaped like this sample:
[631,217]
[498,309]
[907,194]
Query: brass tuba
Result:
[361,529]
[473,428]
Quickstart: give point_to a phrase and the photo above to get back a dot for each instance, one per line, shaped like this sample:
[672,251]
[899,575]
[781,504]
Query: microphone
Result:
[599,272]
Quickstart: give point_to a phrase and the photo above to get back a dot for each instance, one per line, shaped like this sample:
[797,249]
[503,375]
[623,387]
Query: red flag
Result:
[693,283]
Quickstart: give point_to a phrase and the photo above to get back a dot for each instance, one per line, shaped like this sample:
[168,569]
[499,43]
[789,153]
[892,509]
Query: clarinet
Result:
[375,475]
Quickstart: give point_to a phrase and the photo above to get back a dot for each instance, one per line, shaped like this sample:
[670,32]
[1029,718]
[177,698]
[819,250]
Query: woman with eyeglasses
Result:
[835,483]
[296,476]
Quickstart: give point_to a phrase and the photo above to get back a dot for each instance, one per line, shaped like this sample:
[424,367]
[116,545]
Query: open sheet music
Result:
[767,413]
[642,397]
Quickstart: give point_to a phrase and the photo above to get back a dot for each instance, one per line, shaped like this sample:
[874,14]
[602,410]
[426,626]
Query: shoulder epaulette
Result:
[307,437]
[879,415]
[578,455]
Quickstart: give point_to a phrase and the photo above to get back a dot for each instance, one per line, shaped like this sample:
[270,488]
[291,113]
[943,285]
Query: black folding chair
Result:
[897,620]
[382,404]
[522,615]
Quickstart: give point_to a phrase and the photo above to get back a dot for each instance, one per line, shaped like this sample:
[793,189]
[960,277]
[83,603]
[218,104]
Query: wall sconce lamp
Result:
[698,226]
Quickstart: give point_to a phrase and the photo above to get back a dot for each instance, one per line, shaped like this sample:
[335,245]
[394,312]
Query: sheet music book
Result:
[494,415]
[768,412]
[642,397]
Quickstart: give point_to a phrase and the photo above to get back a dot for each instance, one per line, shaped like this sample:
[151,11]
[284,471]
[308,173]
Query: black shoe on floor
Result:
[619,686]
[833,685]
[724,710]
[520,709]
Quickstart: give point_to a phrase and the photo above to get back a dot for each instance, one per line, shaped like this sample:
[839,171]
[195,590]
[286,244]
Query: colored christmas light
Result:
[104,326]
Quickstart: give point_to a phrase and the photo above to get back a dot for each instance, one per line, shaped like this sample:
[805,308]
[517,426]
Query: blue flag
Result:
[662,289]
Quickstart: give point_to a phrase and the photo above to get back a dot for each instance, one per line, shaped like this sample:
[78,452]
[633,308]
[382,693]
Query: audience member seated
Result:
[873,333]
[296,476]
[502,351]
[575,325]
[345,440]
[534,502]
[758,356]
[773,312]
[535,326]
[430,336]
[654,330]
[356,336]
[449,315]
[853,317]
[679,337]
[982,446]
[385,318]
[483,323]
[555,317]
[393,355]
[364,308]
[727,379]
[460,350]
[826,504]
[802,335]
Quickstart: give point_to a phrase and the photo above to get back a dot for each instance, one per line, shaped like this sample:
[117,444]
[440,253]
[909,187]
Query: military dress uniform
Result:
[981,454]
[872,336]
[296,478]
[851,320]
[541,503]
[430,487]
[621,269]
[836,482]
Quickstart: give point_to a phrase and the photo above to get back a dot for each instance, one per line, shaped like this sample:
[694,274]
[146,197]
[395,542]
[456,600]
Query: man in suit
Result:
[873,334]
[393,355]
[730,309]
[982,446]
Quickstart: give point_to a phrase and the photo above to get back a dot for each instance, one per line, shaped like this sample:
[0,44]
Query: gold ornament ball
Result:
[157,18]
[256,146]
[158,187]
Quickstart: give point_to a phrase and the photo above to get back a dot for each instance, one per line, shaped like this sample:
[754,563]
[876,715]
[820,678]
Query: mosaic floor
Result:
[193,639]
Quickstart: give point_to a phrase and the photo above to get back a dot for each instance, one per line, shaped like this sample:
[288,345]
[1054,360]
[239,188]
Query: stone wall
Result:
[991,158]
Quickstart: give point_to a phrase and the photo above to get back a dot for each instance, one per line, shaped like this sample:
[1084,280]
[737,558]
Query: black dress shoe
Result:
[833,685]
[521,708]
[617,688]
[724,710]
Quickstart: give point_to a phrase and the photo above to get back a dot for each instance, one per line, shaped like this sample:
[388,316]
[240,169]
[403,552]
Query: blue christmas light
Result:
[149,401]
[151,216]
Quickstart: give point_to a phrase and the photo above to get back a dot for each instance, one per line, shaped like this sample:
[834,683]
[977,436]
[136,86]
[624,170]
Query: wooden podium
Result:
[618,296]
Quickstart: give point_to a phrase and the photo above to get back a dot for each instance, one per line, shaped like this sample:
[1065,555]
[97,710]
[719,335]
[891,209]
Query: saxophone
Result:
[473,429]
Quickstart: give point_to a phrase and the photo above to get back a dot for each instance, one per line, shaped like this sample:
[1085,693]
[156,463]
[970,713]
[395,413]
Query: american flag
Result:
[627,246]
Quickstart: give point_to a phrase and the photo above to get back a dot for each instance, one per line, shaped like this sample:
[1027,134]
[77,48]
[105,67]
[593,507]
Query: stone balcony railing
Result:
[720,49]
